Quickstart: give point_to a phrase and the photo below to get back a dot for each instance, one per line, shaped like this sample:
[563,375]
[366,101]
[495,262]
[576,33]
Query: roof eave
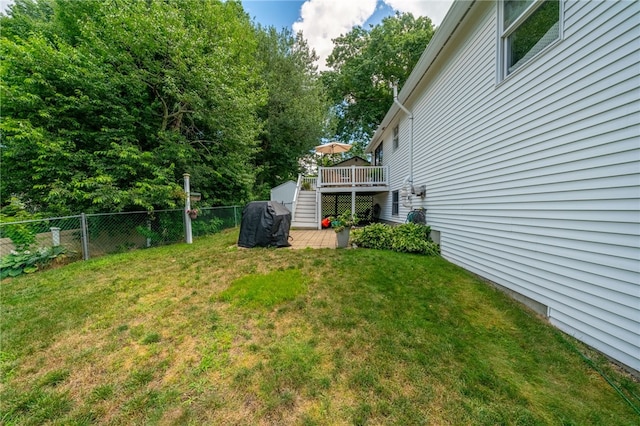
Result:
[456,13]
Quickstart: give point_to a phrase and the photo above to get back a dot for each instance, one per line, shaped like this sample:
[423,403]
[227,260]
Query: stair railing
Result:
[294,203]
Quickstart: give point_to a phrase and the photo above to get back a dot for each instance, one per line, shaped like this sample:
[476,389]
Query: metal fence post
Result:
[149,229]
[187,207]
[235,216]
[85,236]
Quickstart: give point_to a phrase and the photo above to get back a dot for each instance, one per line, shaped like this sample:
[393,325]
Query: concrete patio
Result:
[312,238]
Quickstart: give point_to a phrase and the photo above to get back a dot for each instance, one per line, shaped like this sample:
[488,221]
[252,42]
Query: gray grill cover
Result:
[265,224]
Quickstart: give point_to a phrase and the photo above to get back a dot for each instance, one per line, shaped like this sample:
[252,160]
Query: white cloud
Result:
[4,5]
[434,9]
[323,20]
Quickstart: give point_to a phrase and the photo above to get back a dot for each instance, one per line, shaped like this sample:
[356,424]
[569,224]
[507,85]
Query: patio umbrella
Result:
[333,148]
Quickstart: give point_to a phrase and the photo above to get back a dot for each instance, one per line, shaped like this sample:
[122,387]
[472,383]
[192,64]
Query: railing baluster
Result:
[352,176]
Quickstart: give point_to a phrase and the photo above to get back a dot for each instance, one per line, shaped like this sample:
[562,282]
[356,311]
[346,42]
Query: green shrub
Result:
[26,262]
[22,235]
[405,238]
[413,238]
[376,236]
[166,228]
[205,226]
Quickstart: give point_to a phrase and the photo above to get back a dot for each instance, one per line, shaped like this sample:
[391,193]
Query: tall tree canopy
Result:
[105,104]
[364,63]
[296,114]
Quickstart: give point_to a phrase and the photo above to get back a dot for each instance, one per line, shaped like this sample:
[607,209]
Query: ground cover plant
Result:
[211,334]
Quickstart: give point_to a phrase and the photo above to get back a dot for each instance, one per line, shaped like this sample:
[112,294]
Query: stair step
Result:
[305,214]
[304,225]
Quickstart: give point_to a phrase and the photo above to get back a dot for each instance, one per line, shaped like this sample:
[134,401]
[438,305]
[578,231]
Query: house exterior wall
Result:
[396,159]
[534,181]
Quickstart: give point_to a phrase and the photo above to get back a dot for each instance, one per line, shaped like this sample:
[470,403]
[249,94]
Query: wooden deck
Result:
[341,179]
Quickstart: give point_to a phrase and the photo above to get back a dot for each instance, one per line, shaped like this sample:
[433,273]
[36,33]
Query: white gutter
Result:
[407,187]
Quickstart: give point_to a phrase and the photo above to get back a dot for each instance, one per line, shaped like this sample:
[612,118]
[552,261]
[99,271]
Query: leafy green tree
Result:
[296,114]
[28,16]
[364,64]
[106,104]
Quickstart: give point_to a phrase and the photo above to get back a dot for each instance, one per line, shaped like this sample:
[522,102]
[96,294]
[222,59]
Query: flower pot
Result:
[193,215]
[343,238]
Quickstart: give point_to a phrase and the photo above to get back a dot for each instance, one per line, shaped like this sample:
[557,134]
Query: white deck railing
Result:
[294,203]
[309,183]
[353,176]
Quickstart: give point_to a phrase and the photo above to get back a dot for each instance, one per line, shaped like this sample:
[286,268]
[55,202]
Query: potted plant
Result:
[342,225]
[193,213]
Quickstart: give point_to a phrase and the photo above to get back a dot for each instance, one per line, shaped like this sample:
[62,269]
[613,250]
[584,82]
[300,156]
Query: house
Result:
[518,131]
[347,186]
[284,193]
[352,161]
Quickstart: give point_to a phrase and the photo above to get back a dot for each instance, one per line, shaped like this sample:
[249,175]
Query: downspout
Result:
[407,185]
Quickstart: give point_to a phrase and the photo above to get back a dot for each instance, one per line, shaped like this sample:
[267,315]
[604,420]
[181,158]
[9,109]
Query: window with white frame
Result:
[396,137]
[526,28]
[395,203]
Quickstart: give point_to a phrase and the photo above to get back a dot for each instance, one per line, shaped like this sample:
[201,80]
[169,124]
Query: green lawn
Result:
[210,334]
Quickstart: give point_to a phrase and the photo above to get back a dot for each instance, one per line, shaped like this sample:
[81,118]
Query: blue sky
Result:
[283,13]
[323,20]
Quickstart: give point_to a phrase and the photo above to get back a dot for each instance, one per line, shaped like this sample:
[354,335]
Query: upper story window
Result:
[396,137]
[526,28]
[377,156]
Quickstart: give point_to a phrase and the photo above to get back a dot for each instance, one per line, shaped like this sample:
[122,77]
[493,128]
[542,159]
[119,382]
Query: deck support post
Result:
[353,202]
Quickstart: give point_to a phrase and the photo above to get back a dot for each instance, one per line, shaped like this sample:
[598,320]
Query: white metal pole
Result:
[353,203]
[318,214]
[187,207]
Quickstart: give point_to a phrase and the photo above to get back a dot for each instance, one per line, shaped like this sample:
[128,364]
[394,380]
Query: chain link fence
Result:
[87,236]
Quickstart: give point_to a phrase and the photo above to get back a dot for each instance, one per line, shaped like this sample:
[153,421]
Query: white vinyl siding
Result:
[399,170]
[534,182]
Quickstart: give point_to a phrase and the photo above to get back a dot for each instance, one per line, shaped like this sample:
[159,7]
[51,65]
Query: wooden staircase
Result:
[304,216]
